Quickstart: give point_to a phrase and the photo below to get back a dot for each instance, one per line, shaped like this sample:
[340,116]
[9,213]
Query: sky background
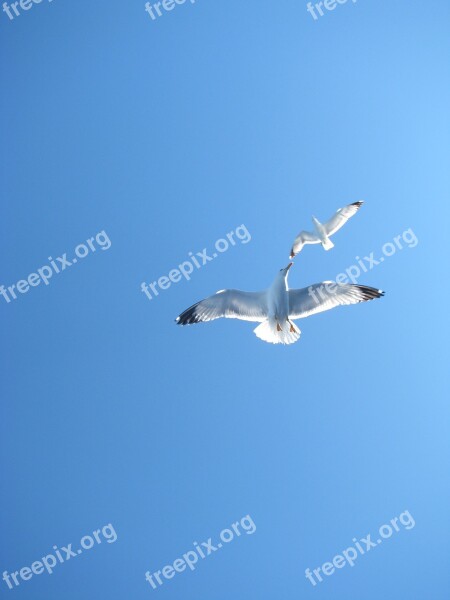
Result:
[167,135]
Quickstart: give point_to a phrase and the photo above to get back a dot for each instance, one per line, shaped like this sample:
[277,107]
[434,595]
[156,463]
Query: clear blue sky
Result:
[167,135]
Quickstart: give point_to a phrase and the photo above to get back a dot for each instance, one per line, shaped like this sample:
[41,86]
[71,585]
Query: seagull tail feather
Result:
[270,333]
[327,244]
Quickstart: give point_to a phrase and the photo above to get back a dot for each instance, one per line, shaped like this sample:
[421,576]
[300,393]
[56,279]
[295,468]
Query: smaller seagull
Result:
[323,231]
[278,306]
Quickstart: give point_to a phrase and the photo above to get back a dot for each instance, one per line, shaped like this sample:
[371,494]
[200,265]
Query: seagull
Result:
[323,231]
[277,307]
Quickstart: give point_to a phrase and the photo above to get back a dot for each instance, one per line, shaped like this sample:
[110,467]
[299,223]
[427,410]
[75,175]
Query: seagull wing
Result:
[325,296]
[304,237]
[231,304]
[341,217]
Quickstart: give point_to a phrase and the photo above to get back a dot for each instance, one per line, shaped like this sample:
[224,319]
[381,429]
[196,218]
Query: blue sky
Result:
[166,135]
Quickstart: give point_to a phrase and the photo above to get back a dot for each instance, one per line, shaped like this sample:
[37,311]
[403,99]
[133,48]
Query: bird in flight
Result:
[323,231]
[277,307]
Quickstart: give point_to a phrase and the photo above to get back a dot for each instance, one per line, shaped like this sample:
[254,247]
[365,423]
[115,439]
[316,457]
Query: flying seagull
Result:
[323,231]
[277,307]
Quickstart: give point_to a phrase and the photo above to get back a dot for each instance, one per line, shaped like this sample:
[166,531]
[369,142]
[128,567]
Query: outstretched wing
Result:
[304,237]
[325,296]
[231,304]
[341,217]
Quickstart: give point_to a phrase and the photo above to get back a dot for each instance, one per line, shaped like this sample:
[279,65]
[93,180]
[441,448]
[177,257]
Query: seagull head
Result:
[284,272]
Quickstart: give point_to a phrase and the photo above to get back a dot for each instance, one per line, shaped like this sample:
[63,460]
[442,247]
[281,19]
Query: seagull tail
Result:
[268,331]
[327,244]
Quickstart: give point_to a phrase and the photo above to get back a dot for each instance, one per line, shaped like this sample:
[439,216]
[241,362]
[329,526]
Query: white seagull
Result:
[277,307]
[323,231]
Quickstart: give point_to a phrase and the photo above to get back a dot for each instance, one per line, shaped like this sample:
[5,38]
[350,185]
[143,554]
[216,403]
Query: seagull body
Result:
[323,231]
[277,307]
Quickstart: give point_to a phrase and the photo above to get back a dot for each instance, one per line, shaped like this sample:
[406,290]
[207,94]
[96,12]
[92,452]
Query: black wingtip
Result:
[358,204]
[370,293]
[189,316]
